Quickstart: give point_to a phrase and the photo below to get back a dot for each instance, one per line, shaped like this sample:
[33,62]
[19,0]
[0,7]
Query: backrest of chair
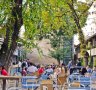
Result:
[27,81]
[75,84]
[85,81]
[46,85]
[73,78]
[93,83]
[77,89]
[93,78]
[61,79]
[15,88]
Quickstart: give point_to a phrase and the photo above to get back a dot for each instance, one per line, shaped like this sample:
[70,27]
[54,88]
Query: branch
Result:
[85,11]
[62,14]
[76,18]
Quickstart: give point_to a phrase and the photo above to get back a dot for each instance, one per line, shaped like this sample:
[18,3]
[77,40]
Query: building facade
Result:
[89,31]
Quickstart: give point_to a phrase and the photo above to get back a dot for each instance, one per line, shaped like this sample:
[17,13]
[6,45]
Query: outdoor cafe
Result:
[71,81]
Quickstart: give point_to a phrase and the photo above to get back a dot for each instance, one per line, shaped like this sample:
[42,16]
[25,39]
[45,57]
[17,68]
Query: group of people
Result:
[87,71]
[28,68]
[40,70]
[83,70]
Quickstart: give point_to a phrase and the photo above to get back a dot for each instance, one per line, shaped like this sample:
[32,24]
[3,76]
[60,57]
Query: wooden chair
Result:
[62,81]
[75,84]
[46,85]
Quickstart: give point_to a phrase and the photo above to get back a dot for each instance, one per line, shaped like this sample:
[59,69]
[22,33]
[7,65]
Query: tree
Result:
[61,45]
[39,17]
[13,24]
[79,15]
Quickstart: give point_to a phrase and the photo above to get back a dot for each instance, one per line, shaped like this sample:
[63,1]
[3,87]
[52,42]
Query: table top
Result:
[10,77]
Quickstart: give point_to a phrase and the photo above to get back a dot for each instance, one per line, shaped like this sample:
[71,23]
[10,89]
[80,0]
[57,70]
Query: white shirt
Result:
[49,70]
[19,64]
[32,69]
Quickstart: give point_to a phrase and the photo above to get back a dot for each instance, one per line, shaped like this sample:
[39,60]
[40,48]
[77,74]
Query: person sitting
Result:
[83,71]
[32,69]
[45,76]
[41,70]
[89,70]
[88,75]
[3,70]
[49,70]
[24,72]
[94,71]
[79,63]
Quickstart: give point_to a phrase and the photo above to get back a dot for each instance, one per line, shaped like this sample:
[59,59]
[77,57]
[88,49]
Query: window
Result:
[92,12]
[94,41]
[88,13]
[94,6]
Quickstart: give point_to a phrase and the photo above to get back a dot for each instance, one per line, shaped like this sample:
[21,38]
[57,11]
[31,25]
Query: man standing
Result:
[19,66]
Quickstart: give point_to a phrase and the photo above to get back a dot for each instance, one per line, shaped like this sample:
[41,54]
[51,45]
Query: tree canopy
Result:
[40,18]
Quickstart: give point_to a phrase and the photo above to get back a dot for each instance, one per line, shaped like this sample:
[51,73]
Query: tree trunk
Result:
[86,61]
[7,51]
[75,59]
[58,62]
[81,36]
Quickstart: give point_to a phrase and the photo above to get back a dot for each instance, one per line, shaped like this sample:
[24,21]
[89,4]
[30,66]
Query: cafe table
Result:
[5,78]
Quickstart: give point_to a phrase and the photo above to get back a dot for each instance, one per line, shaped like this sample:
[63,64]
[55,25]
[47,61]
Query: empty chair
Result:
[15,88]
[85,81]
[93,83]
[76,86]
[29,82]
